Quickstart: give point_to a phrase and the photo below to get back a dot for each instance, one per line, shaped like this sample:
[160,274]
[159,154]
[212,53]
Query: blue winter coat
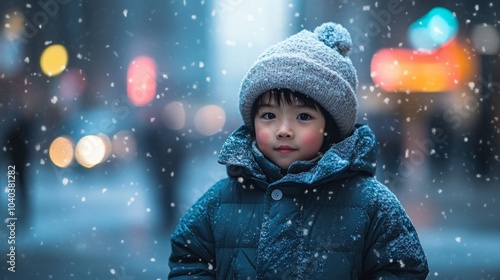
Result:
[324,219]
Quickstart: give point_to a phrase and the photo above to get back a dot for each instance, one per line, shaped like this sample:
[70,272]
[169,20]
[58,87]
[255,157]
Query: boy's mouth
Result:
[285,149]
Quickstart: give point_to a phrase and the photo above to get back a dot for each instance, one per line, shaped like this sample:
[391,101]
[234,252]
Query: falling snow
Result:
[120,194]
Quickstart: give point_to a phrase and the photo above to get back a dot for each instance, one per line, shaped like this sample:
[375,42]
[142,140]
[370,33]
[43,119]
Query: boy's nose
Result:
[284,131]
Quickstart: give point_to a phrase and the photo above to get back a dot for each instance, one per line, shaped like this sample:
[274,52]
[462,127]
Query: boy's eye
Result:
[268,116]
[304,117]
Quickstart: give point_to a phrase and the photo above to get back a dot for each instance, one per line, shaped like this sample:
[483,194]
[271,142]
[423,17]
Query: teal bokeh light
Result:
[434,29]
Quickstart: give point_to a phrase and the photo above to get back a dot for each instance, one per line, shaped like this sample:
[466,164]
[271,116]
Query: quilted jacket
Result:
[327,218]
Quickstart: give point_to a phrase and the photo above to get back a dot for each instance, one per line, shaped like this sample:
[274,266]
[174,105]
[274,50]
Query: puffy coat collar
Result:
[354,154]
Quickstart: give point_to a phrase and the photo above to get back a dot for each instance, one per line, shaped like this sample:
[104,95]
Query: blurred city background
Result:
[113,114]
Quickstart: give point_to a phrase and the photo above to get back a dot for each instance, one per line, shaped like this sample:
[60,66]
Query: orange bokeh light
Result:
[408,70]
[61,151]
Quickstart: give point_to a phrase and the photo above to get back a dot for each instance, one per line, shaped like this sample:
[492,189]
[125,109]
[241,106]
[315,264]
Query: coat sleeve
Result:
[193,247]
[393,248]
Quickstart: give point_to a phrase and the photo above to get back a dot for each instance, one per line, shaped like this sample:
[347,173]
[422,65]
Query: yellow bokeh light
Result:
[209,119]
[90,151]
[61,151]
[54,60]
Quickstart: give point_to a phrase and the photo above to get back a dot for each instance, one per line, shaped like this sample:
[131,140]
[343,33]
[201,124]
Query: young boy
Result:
[300,200]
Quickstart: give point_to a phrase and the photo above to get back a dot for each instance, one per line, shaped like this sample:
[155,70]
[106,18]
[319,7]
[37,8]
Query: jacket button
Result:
[276,194]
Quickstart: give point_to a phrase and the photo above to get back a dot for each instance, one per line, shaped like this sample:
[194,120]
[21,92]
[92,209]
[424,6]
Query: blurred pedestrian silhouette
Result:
[17,139]
[17,152]
[162,149]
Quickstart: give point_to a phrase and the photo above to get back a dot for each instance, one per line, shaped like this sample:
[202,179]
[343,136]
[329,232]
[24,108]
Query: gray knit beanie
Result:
[313,63]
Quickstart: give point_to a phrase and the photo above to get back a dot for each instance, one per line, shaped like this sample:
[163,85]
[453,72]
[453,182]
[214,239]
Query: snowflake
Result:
[122,276]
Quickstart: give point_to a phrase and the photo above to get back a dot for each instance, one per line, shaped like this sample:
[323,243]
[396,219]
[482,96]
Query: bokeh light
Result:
[73,83]
[141,81]
[13,24]
[174,115]
[11,47]
[434,29]
[124,145]
[408,70]
[485,39]
[90,151]
[107,145]
[54,60]
[61,151]
[209,119]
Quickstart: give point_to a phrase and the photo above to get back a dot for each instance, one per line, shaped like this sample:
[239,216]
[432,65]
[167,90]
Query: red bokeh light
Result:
[141,81]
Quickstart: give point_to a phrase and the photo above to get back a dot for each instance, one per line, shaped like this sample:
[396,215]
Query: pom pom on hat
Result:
[312,63]
[335,36]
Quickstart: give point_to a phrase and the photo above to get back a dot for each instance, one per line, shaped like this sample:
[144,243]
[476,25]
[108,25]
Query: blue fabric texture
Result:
[313,63]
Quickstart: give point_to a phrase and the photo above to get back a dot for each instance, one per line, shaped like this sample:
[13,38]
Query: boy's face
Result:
[288,132]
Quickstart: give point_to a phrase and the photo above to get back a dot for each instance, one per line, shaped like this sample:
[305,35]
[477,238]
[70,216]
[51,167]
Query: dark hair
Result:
[289,97]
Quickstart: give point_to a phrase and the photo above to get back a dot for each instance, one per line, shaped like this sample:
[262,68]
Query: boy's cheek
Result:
[262,137]
[313,140]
